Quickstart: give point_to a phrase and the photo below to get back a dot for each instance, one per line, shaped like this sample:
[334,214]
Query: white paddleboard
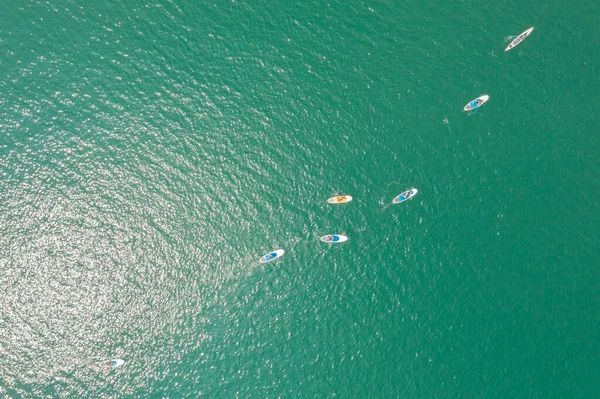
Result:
[476,103]
[405,196]
[111,364]
[340,199]
[519,39]
[272,256]
[334,238]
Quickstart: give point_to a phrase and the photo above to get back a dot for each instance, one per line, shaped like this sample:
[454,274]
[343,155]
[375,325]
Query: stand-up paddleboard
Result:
[272,256]
[476,103]
[111,364]
[519,39]
[405,196]
[339,199]
[334,238]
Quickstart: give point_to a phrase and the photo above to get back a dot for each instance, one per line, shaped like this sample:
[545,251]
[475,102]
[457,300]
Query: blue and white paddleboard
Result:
[272,256]
[111,364]
[334,238]
[405,196]
[476,103]
[519,39]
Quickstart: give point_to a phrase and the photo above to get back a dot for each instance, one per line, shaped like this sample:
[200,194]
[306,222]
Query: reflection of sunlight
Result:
[83,281]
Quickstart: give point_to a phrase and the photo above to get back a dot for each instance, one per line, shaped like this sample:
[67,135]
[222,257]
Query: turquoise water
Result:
[151,153]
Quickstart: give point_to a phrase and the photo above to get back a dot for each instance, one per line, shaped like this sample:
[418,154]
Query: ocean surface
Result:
[152,151]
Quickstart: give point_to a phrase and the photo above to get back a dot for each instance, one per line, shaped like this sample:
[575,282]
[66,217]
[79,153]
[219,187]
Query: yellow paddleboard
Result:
[339,199]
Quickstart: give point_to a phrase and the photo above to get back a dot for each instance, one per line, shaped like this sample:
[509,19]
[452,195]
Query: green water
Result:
[152,152]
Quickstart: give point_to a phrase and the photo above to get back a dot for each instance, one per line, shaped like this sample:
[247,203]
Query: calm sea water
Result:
[151,152]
